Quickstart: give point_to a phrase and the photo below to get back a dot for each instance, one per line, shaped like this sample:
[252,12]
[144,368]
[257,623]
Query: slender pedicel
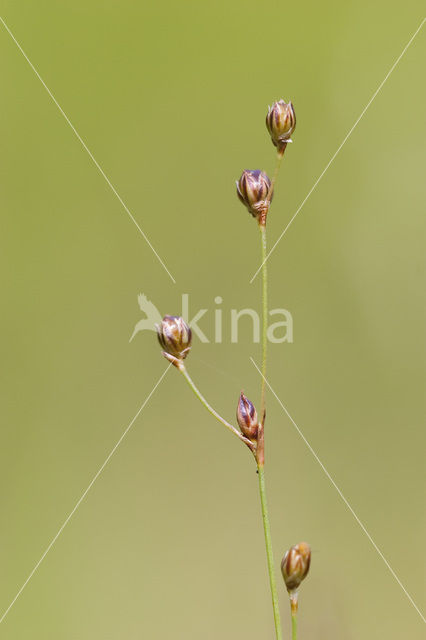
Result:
[280,122]
[174,335]
[251,445]
[294,568]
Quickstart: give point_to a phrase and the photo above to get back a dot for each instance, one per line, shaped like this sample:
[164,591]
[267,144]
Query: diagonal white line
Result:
[318,180]
[340,494]
[84,494]
[90,154]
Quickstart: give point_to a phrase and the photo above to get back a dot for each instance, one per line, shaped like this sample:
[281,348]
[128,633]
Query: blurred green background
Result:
[170,98]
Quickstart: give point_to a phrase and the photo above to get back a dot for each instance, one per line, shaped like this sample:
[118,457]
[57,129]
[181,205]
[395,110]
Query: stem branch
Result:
[210,409]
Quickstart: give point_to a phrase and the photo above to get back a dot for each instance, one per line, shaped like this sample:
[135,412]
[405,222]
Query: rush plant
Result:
[255,190]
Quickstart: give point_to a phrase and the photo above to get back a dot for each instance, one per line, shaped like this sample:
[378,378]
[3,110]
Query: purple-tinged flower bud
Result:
[295,565]
[281,122]
[174,335]
[247,418]
[254,189]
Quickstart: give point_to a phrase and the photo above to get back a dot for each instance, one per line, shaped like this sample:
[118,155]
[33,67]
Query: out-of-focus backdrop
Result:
[171,98]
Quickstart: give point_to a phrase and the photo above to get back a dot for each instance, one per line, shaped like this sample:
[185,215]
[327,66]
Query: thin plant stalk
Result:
[264,318]
[260,467]
[255,191]
[269,551]
[210,409]
[280,156]
[294,608]
[262,226]
[294,626]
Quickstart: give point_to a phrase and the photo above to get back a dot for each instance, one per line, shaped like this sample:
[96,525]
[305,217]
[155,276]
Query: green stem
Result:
[260,456]
[294,605]
[280,156]
[262,228]
[269,552]
[264,318]
[294,625]
[210,409]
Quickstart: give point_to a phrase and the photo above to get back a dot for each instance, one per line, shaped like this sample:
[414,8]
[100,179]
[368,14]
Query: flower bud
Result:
[174,335]
[254,189]
[247,418]
[295,565]
[281,122]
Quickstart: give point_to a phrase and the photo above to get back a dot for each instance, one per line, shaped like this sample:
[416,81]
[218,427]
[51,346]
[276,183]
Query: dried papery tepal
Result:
[295,565]
[174,335]
[247,418]
[255,191]
[281,122]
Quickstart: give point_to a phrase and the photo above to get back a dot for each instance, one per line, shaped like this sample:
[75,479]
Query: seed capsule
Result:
[247,418]
[174,335]
[281,122]
[295,565]
[254,189]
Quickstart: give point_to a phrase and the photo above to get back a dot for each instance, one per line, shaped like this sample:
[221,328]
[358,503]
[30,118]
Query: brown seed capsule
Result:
[174,335]
[295,565]
[281,122]
[254,189]
[247,418]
